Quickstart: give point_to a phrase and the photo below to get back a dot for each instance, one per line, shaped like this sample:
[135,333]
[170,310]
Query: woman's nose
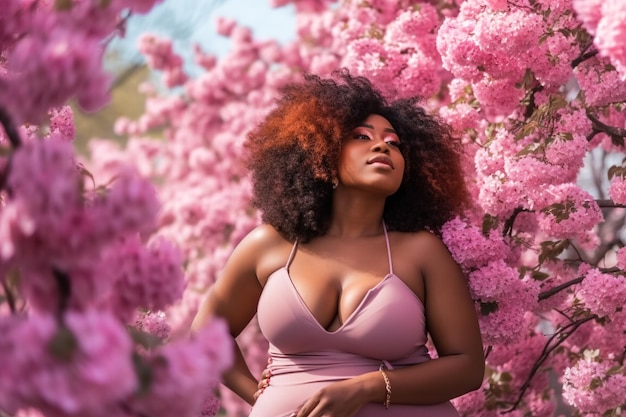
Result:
[380,145]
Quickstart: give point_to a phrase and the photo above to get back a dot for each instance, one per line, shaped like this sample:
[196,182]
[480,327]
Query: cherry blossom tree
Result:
[84,278]
[536,91]
[533,88]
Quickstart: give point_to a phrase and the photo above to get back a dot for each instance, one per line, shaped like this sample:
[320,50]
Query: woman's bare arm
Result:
[235,296]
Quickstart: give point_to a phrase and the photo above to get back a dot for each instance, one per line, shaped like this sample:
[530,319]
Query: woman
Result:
[347,273]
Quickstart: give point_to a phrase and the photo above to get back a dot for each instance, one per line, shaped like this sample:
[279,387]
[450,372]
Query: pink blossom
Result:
[611,34]
[470,247]
[148,277]
[601,85]
[621,258]
[48,69]
[131,205]
[589,386]
[153,322]
[503,298]
[566,211]
[184,370]
[498,95]
[603,293]
[412,27]
[500,197]
[62,122]
[617,190]
[69,371]
[589,12]
[140,6]
[461,116]
[368,57]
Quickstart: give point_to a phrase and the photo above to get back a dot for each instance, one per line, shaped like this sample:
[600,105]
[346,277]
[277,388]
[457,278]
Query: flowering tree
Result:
[534,89]
[83,278]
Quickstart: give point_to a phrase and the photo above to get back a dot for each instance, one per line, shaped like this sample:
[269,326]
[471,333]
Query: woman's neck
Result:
[356,216]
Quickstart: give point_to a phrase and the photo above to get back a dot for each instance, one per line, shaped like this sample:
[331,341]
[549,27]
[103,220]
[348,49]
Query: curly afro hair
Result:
[294,153]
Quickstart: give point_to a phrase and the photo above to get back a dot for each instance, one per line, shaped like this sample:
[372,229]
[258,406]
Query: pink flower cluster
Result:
[516,80]
[605,19]
[503,300]
[567,211]
[470,247]
[397,54]
[617,190]
[184,373]
[53,53]
[150,276]
[64,371]
[594,386]
[603,294]
[493,49]
[160,56]
[48,225]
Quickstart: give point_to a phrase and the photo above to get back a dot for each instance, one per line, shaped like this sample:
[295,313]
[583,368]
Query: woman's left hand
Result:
[339,399]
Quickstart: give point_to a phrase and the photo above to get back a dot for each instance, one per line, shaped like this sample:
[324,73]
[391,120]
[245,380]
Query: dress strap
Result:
[388,248]
[292,254]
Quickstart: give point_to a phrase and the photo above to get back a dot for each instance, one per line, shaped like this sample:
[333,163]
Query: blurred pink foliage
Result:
[83,274]
[535,89]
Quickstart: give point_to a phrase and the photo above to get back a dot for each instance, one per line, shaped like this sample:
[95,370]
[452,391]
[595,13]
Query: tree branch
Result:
[602,127]
[609,203]
[558,338]
[508,224]
[10,297]
[14,138]
[65,291]
[10,128]
[552,291]
[583,57]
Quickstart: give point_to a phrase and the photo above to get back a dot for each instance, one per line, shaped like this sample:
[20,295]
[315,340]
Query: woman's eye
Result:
[361,136]
[393,143]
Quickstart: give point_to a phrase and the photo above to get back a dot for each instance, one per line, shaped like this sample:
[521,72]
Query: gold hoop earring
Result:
[335,183]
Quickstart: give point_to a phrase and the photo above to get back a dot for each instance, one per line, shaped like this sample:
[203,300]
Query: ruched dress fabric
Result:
[387,327]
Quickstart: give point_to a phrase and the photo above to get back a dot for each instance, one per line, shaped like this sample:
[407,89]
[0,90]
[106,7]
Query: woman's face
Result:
[370,157]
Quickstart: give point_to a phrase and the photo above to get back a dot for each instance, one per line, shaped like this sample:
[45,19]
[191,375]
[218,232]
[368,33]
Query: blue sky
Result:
[192,21]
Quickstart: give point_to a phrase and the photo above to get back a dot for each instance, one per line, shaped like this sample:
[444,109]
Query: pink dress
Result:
[387,327]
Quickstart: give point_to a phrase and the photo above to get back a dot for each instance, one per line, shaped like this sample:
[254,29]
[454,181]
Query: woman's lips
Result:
[381,160]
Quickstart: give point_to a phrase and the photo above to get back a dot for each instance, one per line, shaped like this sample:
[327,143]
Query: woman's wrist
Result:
[387,402]
[374,387]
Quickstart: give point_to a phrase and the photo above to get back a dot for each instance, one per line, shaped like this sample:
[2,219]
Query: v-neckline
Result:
[350,316]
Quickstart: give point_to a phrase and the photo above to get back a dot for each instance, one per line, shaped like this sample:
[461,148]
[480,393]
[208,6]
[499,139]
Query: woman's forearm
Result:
[431,382]
[239,379]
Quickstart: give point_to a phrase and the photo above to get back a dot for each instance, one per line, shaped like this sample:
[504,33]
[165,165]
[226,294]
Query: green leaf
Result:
[506,377]
[552,249]
[539,276]
[144,339]
[489,223]
[63,344]
[143,372]
[5,151]
[488,307]
[86,173]
[613,171]
[595,383]
[62,5]
[615,370]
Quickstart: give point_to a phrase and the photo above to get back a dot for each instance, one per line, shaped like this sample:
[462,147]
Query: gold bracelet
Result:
[387,402]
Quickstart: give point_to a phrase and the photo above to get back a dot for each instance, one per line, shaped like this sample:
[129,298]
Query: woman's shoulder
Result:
[422,246]
[263,237]
[419,238]
[265,250]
